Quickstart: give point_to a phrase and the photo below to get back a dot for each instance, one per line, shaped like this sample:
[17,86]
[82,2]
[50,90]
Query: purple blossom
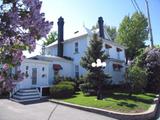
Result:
[24,24]
[5,66]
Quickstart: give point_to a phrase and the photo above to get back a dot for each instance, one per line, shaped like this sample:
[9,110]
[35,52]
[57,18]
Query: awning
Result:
[108,46]
[116,65]
[57,66]
[119,49]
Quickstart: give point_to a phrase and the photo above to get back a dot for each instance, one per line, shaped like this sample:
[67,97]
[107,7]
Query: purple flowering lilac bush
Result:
[21,24]
[149,59]
[152,64]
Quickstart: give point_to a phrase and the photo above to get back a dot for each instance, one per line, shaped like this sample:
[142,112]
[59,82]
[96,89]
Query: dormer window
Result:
[118,53]
[107,46]
[76,47]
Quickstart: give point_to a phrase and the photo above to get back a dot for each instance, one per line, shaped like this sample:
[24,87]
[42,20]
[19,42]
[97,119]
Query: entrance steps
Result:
[25,95]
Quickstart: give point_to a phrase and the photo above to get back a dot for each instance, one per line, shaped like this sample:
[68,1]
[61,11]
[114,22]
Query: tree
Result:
[52,37]
[137,78]
[21,24]
[132,33]
[95,76]
[112,32]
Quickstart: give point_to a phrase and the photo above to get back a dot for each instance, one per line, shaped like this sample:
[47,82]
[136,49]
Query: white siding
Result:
[83,43]
[41,81]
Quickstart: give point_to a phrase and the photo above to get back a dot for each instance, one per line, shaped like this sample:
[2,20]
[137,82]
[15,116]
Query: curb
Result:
[149,114]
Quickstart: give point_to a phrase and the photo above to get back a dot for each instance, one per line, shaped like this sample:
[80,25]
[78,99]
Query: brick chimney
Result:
[101,29]
[60,37]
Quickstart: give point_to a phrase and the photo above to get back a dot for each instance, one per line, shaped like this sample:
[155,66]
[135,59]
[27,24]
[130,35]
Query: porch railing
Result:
[15,89]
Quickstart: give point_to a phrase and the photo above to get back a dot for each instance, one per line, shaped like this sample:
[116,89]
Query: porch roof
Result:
[48,58]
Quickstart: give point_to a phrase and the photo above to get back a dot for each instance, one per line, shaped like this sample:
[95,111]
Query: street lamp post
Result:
[99,64]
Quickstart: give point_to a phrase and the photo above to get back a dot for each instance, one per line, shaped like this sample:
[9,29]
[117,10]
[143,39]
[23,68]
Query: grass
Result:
[116,101]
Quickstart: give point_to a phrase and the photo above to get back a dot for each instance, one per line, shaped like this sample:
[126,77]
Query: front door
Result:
[34,76]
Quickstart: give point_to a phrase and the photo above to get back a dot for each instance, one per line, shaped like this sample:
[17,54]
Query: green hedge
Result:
[62,90]
[68,83]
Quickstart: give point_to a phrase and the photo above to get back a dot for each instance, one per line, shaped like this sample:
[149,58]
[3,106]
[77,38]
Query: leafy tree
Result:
[132,33]
[95,76]
[21,24]
[51,38]
[112,31]
[137,78]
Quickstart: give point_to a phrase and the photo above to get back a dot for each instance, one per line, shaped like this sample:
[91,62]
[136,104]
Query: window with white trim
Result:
[76,47]
[77,71]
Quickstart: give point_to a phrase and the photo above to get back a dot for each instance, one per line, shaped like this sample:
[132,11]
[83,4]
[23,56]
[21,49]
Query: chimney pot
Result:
[101,29]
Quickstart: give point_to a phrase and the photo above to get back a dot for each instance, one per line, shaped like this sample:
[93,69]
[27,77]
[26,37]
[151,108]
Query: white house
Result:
[63,57]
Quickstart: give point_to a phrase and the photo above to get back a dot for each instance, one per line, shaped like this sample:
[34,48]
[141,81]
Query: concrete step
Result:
[28,90]
[26,93]
[24,100]
[26,97]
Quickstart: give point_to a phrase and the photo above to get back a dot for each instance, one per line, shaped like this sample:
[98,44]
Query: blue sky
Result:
[77,13]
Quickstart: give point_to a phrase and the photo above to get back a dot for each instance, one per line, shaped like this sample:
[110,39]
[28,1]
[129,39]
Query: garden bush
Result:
[68,83]
[62,90]
[137,79]
[87,89]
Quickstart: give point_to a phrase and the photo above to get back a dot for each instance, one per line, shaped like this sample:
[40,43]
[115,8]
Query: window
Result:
[42,68]
[76,71]
[27,67]
[76,47]
[118,52]
[117,67]
[118,55]
[107,46]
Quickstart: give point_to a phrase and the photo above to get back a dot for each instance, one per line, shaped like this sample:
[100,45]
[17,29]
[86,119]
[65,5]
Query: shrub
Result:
[83,88]
[137,78]
[87,89]
[69,79]
[68,83]
[62,91]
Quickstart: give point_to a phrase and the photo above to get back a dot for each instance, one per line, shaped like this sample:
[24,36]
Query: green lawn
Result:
[116,101]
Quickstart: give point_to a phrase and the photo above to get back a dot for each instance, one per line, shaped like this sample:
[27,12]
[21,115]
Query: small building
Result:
[63,57]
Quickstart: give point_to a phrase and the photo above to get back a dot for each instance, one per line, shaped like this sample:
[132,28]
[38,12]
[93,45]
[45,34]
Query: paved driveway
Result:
[10,110]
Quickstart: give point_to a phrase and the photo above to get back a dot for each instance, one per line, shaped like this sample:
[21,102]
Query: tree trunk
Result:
[99,93]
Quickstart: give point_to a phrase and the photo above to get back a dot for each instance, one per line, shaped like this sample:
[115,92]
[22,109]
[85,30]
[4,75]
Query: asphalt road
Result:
[44,110]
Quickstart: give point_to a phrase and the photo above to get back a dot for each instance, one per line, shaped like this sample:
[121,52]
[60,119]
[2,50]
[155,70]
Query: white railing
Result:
[15,89]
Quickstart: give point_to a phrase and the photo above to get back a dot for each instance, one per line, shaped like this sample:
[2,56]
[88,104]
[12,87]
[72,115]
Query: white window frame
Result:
[77,71]
[76,45]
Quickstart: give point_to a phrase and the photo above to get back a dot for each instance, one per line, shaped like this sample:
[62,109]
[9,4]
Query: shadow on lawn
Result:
[127,104]
[126,97]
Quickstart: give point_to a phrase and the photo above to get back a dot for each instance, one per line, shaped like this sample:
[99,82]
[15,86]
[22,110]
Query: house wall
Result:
[48,80]
[69,50]
[67,69]
[83,43]
[117,76]
[41,81]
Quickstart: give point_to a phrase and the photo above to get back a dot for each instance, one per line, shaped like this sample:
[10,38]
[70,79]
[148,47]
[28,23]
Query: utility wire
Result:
[134,5]
[137,6]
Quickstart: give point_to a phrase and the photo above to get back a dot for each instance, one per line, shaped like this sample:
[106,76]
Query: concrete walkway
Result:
[44,110]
